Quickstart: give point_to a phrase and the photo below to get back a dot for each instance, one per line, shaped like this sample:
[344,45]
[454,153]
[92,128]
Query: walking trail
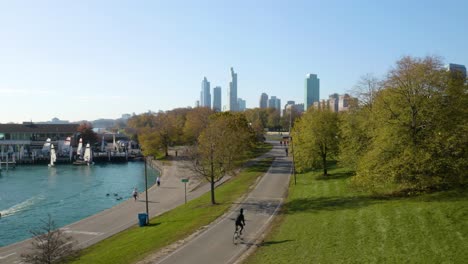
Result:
[214,244]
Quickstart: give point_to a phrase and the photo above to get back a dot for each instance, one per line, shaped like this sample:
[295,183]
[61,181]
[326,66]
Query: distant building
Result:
[217,99]
[232,92]
[241,104]
[299,108]
[274,102]
[322,104]
[58,121]
[312,90]
[197,103]
[263,100]
[11,134]
[343,102]
[457,69]
[287,107]
[126,116]
[205,95]
[335,102]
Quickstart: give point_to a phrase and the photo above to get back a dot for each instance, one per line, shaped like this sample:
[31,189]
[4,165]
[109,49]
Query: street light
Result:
[146,192]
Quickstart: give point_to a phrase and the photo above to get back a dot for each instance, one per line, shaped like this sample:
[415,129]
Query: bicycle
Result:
[236,237]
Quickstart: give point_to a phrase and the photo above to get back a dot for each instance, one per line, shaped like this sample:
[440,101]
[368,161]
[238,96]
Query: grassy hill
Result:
[325,221]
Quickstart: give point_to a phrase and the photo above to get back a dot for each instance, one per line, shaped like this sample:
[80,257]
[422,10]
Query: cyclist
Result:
[240,221]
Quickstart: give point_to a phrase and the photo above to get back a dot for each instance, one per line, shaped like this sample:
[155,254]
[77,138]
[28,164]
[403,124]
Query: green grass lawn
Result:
[325,221]
[136,243]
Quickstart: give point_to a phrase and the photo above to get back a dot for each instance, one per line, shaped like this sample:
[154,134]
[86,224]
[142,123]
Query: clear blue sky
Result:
[98,59]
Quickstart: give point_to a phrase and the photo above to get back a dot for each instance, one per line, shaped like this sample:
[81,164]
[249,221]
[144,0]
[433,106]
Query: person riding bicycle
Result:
[240,221]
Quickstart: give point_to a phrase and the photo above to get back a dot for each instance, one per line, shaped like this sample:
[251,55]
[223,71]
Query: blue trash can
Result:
[142,219]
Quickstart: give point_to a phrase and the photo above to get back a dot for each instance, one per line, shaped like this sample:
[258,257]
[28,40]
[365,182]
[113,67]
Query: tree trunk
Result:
[212,192]
[324,160]
[212,176]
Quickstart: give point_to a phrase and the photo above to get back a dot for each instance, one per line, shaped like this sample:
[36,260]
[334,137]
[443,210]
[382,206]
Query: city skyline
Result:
[88,60]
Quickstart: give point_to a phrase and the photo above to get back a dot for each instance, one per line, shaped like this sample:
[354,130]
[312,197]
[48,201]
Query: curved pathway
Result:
[215,244]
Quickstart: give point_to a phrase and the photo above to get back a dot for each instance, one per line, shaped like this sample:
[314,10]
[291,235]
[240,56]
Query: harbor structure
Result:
[32,143]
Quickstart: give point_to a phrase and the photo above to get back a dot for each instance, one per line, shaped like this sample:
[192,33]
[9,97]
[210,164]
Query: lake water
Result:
[68,193]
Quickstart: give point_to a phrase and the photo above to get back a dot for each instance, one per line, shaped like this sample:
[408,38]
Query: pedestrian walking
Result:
[286,149]
[158,180]
[135,193]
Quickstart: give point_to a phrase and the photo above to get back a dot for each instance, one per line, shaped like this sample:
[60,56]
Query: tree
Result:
[357,125]
[273,119]
[159,132]
[366,89]
[420,134]
[50,245]
[146,120]
[315,137]
[289,117]
[257,118]
[221,147]
[196,121]
[87,134]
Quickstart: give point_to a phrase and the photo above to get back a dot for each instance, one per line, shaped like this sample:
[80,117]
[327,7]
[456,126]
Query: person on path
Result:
[158,180]
[135,193]
[286,149]
[240,221]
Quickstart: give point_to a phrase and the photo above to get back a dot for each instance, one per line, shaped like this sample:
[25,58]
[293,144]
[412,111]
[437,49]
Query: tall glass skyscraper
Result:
[263,100]
[217,99]
[274,102]
[205,95]
[312,90]
[241,105]
[457,69]
[232,92]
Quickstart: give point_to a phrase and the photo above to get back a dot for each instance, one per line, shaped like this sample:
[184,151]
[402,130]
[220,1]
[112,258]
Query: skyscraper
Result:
[264,100]
[205,95]
[241,104]
[312,90]
[274,102]
[232,92]
[217,99]
[457,69]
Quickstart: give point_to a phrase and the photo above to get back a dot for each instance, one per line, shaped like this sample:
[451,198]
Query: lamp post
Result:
[146,192]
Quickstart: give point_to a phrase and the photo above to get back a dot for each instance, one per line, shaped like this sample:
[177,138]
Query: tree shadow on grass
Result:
[270,243]
[334,176]
[333,203]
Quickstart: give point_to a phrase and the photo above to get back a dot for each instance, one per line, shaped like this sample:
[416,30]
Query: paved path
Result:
[120,217]
[215,244]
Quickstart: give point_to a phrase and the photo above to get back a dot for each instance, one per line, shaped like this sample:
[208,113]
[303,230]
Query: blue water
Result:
[68,193]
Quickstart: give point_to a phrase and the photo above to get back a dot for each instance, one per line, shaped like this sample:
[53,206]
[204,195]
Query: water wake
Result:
[23,206]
